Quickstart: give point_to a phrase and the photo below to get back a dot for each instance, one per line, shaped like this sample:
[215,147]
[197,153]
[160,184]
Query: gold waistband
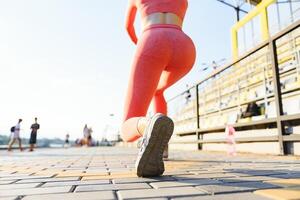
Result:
[162,18]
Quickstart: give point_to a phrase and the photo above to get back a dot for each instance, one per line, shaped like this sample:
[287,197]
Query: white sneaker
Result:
[157,135]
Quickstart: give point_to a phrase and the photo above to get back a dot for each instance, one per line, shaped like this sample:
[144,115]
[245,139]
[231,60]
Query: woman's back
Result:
[148,7]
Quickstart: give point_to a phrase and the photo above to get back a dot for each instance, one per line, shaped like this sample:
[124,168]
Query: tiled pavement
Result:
[108,173]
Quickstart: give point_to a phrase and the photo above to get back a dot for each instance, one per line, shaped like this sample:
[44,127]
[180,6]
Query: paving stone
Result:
[195,169]
[33,191]
[254,185]
[285,182]
[287,176]
[116,166]
[96,165]
[59,167]
[51,173]
[3,173]
[14,174]
[73,170]
[68,183]
[183,183]
[48,180]
[186,169]
[104,195]
[259,172]
[86,178]
[18,186]
[248,178]
[112,170]
[71,174]
[219,189]
[112,187]
[155,198]
[128,172]
[209,171]
[143,180]
[6,182]
[237,196]
[158,193]
[97,171]
[183,173]
[9,198]
[16,177]
[182,177]
[285,193]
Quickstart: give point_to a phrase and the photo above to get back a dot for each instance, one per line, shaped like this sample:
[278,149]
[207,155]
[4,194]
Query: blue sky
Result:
[67,61]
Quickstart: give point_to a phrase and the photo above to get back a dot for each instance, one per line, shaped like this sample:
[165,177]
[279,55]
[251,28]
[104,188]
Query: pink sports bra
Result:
[147,7]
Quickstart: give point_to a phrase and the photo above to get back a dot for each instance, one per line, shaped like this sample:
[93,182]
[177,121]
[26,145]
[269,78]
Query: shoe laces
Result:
[143,143]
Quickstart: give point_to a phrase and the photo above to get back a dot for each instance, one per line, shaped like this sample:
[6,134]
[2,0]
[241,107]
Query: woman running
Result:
[164,55]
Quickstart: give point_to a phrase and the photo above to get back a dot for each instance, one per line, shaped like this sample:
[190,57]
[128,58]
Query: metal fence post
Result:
[277,94]
[198,117]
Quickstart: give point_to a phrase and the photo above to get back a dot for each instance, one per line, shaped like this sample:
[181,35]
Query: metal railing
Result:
[191,109]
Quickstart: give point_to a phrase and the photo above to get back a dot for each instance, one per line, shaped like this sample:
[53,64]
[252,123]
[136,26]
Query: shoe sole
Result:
[151,162]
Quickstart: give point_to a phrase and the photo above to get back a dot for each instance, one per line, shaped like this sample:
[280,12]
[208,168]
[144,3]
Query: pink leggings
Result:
[164,55]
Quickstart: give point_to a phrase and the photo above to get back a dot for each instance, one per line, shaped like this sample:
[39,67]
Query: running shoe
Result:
[156,137]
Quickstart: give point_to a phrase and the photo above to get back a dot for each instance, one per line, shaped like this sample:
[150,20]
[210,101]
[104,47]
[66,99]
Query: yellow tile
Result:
[7,167]
[286,181]
[95,174]
[93,178]
[128,175]
[131,175]
[281,194]
[48,172]
[69,174]
[26,171]
[38,168]
[121,173]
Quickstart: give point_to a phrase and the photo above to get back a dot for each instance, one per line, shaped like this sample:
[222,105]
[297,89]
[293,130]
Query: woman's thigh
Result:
[181,61]
[149,62]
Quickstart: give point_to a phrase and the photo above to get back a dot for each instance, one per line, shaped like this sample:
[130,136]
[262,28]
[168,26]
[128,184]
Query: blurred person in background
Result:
[15,135]
[67,142]
[34,128]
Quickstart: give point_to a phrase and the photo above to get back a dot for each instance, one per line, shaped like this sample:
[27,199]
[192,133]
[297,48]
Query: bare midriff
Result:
[162,18]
